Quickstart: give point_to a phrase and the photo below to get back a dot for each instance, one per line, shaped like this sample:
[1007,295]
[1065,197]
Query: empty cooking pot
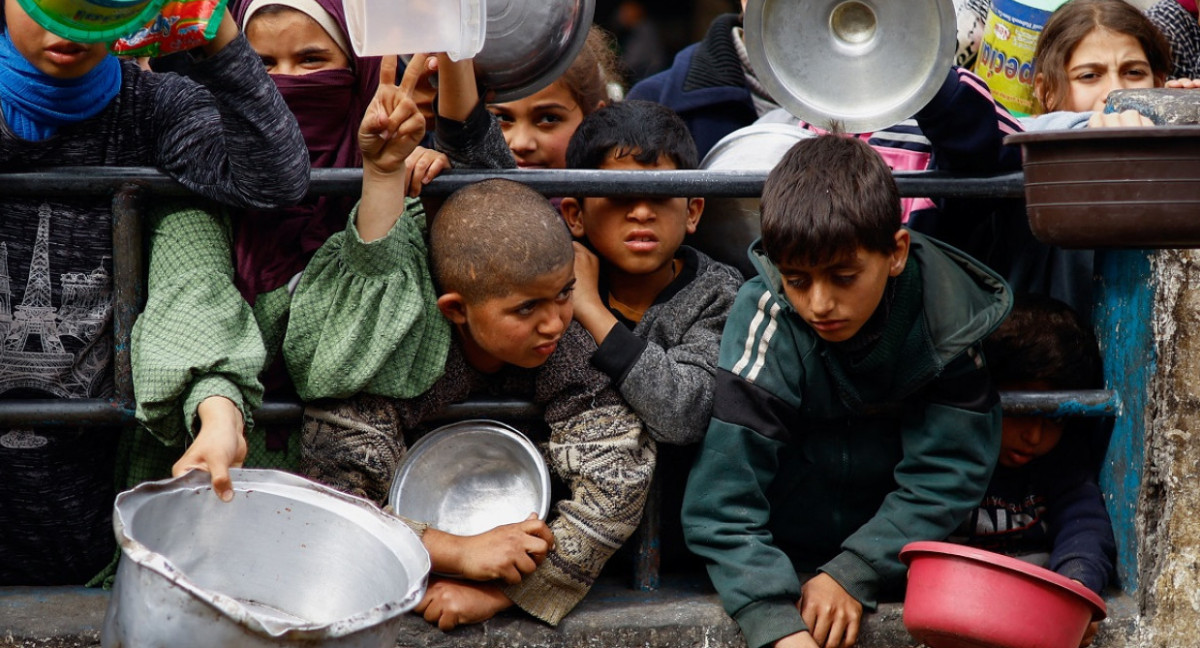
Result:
[287,563]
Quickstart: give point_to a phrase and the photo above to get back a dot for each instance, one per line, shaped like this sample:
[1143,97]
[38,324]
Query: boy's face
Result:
[836,298]
[50,54]
[637,236]
[1025,438]
[291,43]
[521,328]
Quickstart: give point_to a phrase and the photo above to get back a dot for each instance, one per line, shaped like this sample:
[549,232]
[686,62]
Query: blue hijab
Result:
[36,104]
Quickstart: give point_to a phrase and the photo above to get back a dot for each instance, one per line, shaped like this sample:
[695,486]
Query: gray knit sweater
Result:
[666,365]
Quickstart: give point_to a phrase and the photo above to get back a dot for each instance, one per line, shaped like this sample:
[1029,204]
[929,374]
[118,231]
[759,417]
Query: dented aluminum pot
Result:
[287,563]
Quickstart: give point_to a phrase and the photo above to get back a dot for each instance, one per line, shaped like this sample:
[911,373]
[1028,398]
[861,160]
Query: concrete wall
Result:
[1169,527]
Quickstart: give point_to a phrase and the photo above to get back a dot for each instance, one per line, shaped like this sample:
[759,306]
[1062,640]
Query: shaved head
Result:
[493,235]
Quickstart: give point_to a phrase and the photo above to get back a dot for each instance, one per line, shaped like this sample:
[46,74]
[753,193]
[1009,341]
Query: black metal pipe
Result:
[552,182]
[1090,402]
[128,284]
[62,412]
[54,412]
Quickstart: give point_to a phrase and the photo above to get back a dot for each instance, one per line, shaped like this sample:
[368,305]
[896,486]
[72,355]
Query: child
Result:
[853,411]
[1043,503]
[1087,49]
[504,268]
[224,133]
[538,128]
[654,306]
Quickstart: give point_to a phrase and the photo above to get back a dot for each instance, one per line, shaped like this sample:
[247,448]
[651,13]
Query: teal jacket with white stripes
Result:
[818,460]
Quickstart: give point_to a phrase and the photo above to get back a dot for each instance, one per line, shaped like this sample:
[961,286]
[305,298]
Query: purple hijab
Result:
[271,246]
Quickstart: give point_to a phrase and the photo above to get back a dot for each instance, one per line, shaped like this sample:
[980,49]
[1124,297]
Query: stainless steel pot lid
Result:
[472,476]
[866,63]
[529,44]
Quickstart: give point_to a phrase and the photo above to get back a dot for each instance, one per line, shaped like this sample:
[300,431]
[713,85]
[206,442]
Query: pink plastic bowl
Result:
[961,597]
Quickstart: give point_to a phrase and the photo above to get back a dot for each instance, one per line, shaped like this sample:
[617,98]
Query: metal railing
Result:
[130,187]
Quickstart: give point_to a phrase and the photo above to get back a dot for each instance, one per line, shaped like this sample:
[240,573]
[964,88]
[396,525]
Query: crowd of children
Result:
[834,406]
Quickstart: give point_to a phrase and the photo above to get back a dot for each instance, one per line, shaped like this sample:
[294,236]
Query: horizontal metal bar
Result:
[93,181]
[1090,402]
[64,412]
[96,411]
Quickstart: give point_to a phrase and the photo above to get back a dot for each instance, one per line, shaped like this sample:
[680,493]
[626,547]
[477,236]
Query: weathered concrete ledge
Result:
[683,614]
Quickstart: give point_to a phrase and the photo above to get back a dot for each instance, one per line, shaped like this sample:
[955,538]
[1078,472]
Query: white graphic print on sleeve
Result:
[60,350]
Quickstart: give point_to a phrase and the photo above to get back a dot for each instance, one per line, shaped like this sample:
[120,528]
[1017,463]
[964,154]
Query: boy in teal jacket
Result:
[853,410]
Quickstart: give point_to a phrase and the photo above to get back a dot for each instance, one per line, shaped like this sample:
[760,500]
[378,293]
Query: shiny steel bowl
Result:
[288,562]
[866,63]
[529,44]
[472,476]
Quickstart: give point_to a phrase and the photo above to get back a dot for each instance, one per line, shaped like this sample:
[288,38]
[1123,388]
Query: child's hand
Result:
[1089,635]
[798,640]
[1183,83]
[424,66]
[219,446]
[392,127]
[1123,119]
[505,553]
[423,165]
[590,311]
[832,615]
[450,603]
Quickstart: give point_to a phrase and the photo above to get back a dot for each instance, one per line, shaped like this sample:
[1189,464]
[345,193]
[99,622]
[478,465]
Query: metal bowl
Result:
[287,563]
[866,63]
[529,44]
[472,476]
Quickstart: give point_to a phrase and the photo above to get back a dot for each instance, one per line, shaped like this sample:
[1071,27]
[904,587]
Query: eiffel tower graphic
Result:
[32,353]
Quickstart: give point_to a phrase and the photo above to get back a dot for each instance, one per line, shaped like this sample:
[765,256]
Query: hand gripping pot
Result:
[287,563]
[91,21]
[469,477]
[962,597]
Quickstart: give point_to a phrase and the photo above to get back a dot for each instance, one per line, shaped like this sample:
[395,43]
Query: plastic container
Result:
[961,597]
[1005,59]
[91,21]
[383,27]
[1113,187]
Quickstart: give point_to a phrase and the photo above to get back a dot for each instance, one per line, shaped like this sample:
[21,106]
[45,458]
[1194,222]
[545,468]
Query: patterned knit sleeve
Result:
[196,336]
[232,138]
[364,316]
[600,450]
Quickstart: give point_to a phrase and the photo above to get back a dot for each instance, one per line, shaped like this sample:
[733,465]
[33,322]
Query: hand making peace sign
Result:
[392,126]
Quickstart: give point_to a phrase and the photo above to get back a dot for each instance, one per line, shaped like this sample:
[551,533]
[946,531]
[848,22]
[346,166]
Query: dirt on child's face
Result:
[291,43]
[837,297]
[50,54]
[521,328]
[638,236]
[539,127]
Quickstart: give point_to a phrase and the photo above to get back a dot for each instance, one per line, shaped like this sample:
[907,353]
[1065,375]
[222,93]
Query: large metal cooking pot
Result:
[471,476]
[529,44]
[865,63]
[287,563]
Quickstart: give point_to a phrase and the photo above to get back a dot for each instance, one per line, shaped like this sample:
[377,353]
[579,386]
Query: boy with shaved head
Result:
[503,271]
